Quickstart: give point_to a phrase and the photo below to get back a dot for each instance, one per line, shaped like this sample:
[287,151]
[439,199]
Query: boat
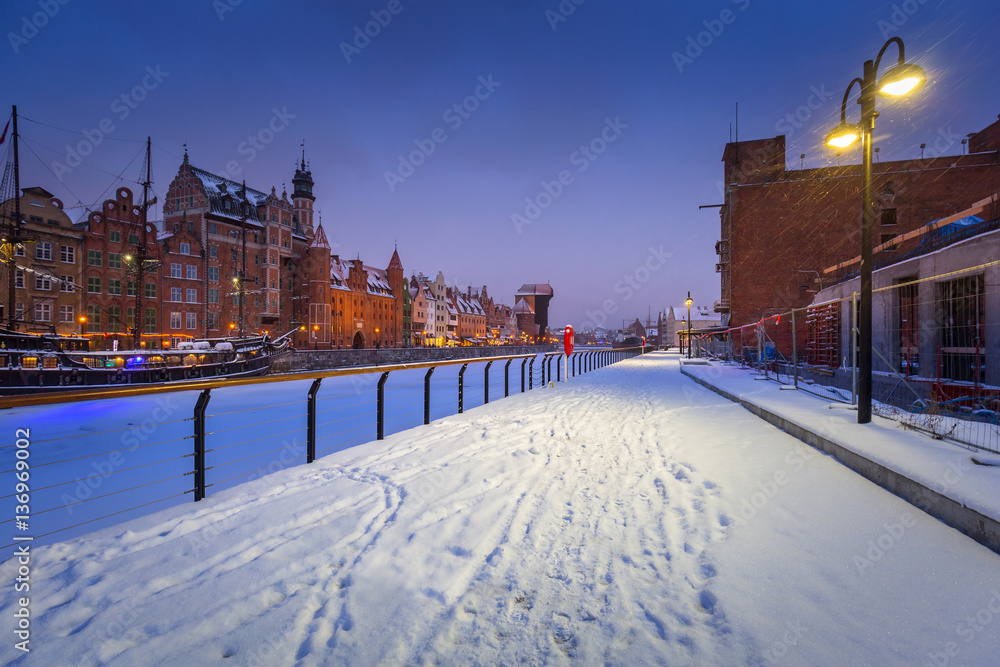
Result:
[627,341]
[31,363]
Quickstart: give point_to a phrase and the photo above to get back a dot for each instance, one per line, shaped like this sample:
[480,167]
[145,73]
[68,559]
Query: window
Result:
[43,250]
[94,258]
[213,273]
[114,287]
[42,282]
[43,312]
[192,271]
[66,283]
[961,311]
[115,236]
[213,228]
[115,318]
[19,250]
[114,260]
[213,251]
[67,254]
[93,318]
[36,218]
[212,321]
[175,293]
[150,323]
[54,223]
[130,288]
[185,249]
[93,284]
[889,188]
[133,239]
[213,295]
[150,290]
[18,278]
[175,320]
[175,270]
[907,323]
[130,316]
[888,217]
[191,320]
[66,314]
[192,295]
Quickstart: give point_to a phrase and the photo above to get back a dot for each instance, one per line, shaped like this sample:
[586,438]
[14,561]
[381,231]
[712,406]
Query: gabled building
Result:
[47,266]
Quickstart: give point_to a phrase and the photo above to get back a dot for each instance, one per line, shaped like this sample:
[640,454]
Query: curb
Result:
[978,526]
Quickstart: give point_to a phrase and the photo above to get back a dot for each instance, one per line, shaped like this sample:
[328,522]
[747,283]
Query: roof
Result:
[220,190]
[319,240]
[535,289]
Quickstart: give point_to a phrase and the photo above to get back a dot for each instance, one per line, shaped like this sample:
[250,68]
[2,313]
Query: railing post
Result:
[199,444]
[522,374]
[795,359]
[311,421]
[380,411]
[550,367]
[461,388]
[427,395]
[558,371]
[506,378]
[531,374]
[486,383]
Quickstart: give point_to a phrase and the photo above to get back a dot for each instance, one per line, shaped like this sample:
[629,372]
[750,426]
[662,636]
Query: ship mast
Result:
[14,235]
[243,267]
[138,319]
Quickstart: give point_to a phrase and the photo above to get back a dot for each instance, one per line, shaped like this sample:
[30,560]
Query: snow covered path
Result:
[629,516]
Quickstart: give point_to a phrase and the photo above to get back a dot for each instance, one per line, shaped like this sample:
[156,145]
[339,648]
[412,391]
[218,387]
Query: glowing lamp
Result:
[842,136]
[902,79]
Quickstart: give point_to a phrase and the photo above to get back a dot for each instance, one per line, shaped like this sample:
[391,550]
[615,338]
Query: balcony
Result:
[722,246]
[721,267]
[721,306]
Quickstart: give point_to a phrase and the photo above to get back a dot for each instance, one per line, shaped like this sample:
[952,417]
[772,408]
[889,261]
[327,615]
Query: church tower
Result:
[318,331]
[394,273]
[302,198]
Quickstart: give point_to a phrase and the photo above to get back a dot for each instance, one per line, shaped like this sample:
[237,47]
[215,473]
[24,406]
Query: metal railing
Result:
[94,476]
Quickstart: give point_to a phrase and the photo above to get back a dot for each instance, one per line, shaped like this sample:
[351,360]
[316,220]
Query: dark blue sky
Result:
[228,69]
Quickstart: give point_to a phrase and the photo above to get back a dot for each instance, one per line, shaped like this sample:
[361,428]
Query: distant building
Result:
[531,306]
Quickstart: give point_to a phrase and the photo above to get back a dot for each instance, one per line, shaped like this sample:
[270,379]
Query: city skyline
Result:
[500,145]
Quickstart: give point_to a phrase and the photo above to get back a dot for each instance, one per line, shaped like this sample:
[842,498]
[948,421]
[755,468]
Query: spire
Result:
[303,183]
[395,262]
[186,154]
[319,240]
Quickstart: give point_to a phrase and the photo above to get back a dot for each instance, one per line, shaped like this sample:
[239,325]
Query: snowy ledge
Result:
[938,477]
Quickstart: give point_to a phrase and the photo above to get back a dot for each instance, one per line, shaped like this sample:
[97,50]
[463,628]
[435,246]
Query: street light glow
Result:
[843,136]
[902,79]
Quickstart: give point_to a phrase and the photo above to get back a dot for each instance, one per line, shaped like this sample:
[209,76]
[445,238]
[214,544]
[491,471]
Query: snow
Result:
[629,516]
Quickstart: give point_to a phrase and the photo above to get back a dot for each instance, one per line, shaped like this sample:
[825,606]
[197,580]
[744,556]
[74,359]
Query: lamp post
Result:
[687,302]
[900,80]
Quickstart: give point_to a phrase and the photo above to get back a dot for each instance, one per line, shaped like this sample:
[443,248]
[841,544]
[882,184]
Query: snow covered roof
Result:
[535,289]
[225,196]
[378,281]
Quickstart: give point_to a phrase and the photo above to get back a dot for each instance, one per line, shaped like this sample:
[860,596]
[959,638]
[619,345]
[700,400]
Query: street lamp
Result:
[83,320]
[900,80]
[687,302]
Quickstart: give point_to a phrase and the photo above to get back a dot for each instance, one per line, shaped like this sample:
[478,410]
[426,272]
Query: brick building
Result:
[47,266]
[111,275]
[781,228]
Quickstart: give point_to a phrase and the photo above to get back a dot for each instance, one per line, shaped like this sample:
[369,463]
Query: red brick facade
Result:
[781,228]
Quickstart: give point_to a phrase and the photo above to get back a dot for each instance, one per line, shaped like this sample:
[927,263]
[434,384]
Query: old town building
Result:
[46,266]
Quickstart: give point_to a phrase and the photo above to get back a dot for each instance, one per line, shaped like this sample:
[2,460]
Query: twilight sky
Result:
[586,132]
